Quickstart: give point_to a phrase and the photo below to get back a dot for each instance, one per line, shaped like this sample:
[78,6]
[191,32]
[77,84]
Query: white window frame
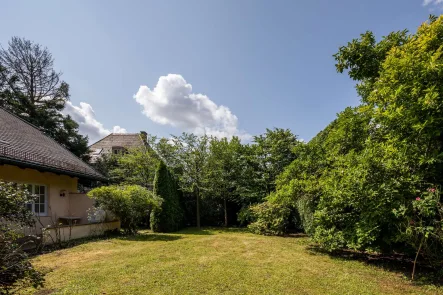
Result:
[33,192]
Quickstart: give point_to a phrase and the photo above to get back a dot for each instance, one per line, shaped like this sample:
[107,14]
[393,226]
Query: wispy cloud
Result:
[172,102]
[84,115]
[433,3]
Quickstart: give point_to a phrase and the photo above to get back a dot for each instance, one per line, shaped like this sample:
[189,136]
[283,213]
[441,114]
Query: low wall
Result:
[67,233]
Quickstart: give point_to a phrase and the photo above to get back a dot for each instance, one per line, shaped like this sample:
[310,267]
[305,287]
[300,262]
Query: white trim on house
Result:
[41,194]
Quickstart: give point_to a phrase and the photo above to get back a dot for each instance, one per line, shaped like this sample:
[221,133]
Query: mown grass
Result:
[212,261]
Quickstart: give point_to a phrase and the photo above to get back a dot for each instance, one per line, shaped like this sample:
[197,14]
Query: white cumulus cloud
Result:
[172,102]
[84,115]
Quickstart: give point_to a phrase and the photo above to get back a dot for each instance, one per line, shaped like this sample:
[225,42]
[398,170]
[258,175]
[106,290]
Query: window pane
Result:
[37,190]
[29,207]
[36,208]
[42,199]
[42,208]
[42,190]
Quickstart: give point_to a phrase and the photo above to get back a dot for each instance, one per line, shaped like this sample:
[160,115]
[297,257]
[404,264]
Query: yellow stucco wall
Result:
[79,205]
[57,205]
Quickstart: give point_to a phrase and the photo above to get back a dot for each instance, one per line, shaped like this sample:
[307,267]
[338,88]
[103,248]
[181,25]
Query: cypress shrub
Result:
[170,217]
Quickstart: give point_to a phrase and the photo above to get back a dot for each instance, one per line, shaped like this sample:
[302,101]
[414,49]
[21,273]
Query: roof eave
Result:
[44,168]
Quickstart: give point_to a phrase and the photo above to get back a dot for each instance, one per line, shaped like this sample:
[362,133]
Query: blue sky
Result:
[252,64]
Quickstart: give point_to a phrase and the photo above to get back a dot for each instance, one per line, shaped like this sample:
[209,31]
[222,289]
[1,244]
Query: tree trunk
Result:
[416,256]
[226,212]
[198,209]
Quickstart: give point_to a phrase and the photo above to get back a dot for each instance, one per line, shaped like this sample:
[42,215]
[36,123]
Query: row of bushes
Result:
[136,206]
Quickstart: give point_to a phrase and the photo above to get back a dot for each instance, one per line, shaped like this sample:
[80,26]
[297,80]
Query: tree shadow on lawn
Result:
[195,231]
[206,231]
[146,237]
[296,235]
[396,263]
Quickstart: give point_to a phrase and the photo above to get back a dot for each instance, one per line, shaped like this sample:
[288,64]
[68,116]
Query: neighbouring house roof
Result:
[24,145]
[126,140]
[116,140]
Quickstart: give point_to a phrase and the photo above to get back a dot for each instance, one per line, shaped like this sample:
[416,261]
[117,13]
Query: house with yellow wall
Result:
[28,156]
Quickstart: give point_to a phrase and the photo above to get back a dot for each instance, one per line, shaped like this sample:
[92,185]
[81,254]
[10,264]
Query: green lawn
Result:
[212,261]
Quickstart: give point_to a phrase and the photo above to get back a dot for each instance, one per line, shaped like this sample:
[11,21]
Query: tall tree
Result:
[273,152]
[193,153]
[31,89]
[224,170]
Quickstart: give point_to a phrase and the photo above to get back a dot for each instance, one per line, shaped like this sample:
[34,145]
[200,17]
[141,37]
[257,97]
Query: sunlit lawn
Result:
[212,261]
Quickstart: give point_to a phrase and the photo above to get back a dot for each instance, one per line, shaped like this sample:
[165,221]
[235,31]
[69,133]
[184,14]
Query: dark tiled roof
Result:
[22,144]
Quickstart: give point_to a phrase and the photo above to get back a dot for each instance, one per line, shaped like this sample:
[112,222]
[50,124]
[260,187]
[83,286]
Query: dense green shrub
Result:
[358,197]
[245,216]
[362,182]
[131,204]
[422,226]
[305,207]
[270,219]
[14,263]
[170,215]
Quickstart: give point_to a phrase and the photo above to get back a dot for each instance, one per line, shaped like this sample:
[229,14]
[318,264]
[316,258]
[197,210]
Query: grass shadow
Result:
[396,263]
[146,237]
[296,235]
[231,230]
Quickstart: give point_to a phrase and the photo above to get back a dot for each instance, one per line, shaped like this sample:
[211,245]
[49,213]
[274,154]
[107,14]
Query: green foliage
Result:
[131,204]
[223,175]
[170,216]
[358,197]
[422,225]
[106,164]
[33,91]
[305,208]
[300,186]
[273,151]
[224,171]
[136,167]
[363,57]
[192,153]
[270,219]
[14,263]
[245,216]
